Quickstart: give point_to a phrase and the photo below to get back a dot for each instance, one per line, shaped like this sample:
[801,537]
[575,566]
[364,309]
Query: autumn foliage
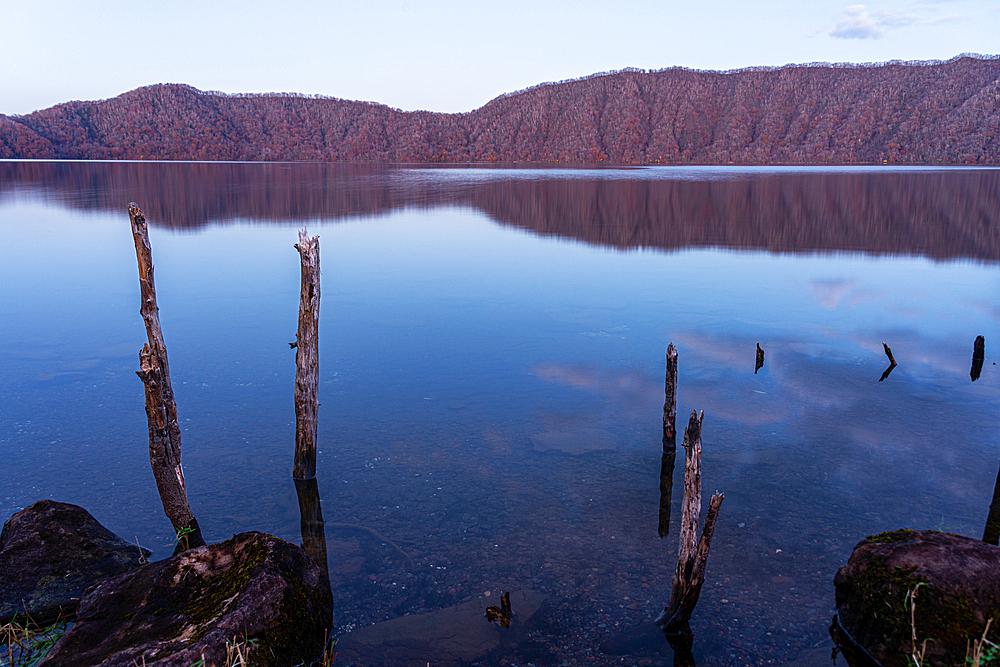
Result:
[936,113]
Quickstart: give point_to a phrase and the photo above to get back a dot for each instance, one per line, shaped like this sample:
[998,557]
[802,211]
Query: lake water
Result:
[492,361]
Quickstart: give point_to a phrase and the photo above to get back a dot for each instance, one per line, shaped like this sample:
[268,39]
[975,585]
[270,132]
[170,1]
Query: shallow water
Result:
[492,353]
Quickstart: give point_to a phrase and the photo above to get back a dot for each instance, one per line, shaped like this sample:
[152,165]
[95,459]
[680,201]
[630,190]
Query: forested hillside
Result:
[940,113]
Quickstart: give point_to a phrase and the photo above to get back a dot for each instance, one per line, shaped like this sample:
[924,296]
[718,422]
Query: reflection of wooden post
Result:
[992,533]
[311,521]
[307,360]
[670,400]
[689,576]
[682,642]
[666,489]
[161,409]
[669,441]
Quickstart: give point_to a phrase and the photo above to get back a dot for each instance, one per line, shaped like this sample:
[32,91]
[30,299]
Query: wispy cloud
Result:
[857,22]
[830,292]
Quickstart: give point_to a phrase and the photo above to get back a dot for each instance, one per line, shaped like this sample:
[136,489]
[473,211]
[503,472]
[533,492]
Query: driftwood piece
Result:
[692,556]
[670,400]
[311,521]
[978,356]
[307,360]
[161,408]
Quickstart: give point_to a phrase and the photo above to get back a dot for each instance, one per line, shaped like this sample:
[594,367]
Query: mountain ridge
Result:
[898,113]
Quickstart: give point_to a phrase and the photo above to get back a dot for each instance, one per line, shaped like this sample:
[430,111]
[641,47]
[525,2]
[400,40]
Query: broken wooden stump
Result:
[306,345]
[888,353]
[892,362]
[307,360]
[692,556]
[978,356]
[161,408]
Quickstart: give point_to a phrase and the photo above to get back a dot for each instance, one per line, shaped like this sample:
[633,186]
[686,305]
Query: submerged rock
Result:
[50,553]
[959,592]
[254,590]
[454,635]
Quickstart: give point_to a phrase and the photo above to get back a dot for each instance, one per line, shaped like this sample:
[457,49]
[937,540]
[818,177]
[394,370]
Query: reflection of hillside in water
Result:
[941,214]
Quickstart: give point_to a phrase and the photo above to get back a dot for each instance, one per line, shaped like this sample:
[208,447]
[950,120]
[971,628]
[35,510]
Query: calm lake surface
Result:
[492,362]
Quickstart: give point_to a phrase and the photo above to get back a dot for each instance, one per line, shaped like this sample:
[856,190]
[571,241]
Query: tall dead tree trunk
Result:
[692,556]
[307,360]
[669,442]
[161,409]
[307,404]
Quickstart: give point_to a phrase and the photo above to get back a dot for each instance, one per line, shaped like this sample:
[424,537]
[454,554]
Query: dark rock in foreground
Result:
[454,635]
[50,553]
[253,588]
[961,592]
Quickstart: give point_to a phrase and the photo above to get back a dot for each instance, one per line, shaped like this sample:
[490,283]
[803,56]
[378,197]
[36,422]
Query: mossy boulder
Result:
[50,553]
[959,591]
[254,590]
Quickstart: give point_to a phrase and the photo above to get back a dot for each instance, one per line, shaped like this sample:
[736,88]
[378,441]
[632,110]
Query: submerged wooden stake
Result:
[307,360]
[161,409]
[692,556]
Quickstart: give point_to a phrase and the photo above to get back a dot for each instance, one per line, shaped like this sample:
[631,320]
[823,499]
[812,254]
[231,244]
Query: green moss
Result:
[206,603]
[891,536]
[947,622]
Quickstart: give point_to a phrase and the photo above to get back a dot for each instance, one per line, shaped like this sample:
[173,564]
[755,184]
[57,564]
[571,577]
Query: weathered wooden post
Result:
[307,360]
[689,575]
[161,409]
[978,357]
[669,441]
[311,523]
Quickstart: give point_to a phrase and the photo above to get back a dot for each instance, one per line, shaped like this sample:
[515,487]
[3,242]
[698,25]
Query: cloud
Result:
[858,23]
[830,292]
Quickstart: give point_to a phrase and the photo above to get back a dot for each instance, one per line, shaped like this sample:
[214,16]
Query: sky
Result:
[445,55]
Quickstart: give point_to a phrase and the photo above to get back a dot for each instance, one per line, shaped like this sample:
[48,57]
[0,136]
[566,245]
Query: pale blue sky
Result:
[445,55]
